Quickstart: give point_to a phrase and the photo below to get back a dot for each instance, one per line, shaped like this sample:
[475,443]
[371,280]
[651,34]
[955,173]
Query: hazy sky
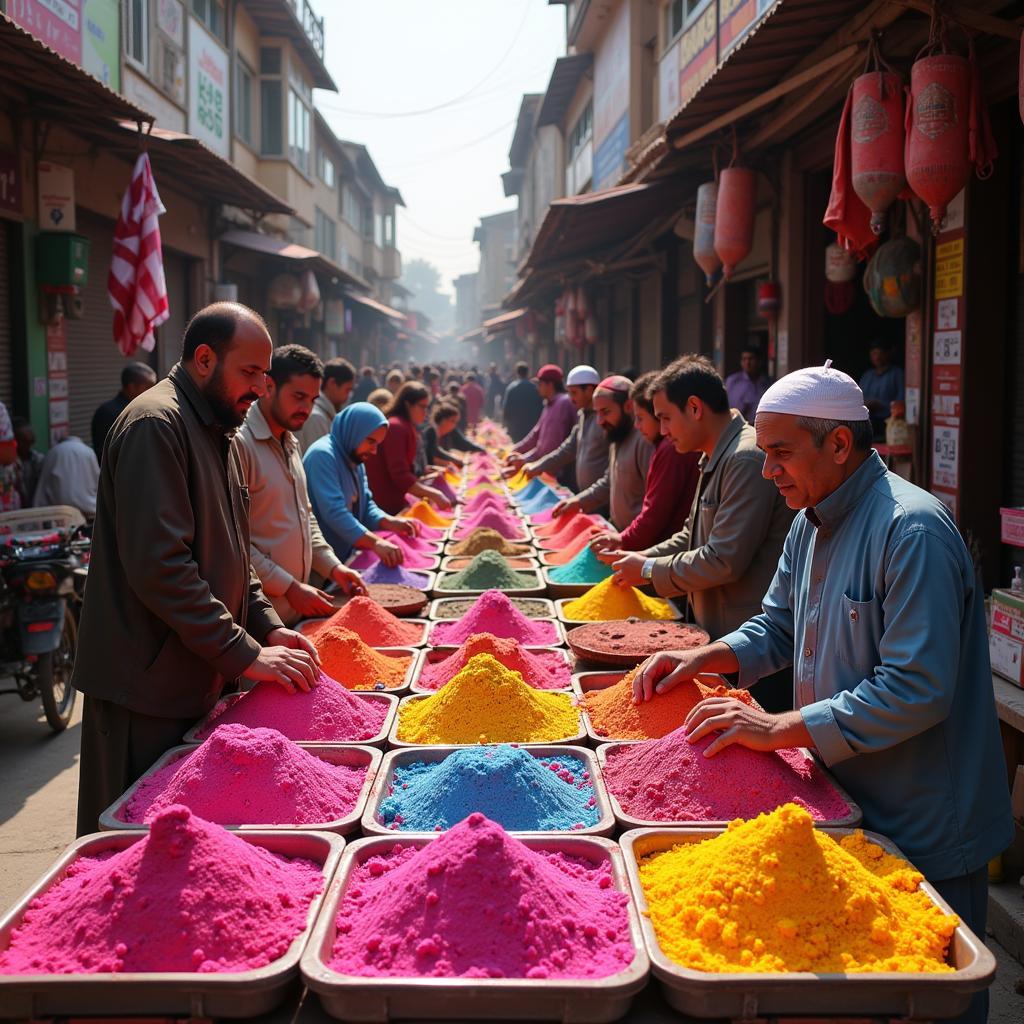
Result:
[473,59]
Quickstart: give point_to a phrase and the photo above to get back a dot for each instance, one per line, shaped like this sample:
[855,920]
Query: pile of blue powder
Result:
[507,784]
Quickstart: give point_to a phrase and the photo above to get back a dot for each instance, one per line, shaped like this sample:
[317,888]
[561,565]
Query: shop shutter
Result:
[6,334]
[1016,415]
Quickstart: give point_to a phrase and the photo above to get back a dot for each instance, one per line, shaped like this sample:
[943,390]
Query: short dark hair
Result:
[366,371]
[136,373]
[444,411]
[692,377]
[863,433]
[470,377]
[522,369]
[753,348]
[411,392]
[641,391]
[294,361]
[215,325]
[341,371]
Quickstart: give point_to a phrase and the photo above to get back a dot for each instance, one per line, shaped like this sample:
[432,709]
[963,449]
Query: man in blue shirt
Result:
[882,385]
[877,607]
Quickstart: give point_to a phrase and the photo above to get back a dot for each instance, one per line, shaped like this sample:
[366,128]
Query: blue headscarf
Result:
[351,427]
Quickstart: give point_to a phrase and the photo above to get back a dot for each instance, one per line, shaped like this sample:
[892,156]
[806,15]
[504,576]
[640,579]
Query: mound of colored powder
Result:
[670,779]
[449,909]
[381,573]
[326,714]
[495,613]
[426,514]
[539,502]
[481,479]
[565,554]
[522,793]
[188,896]
[485,539]
[546,527]
[609,601]
[243,776]
[518,482]
[543,670]
[775,894]
[585,567]
[375,625]
[472,492]
[422,543]
[485,499]
[412,560]
[444,485]
[508,526]
[531,490]
[574,530]
[487,571]
[531,607]
[486,703]
[356,665]
[613,713]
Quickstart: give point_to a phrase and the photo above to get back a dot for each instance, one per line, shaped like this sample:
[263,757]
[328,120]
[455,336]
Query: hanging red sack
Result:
[876,143]
[846,215]
[734,217]
[704,232]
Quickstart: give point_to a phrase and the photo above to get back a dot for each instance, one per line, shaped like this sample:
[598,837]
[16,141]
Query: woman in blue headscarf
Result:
[338,491]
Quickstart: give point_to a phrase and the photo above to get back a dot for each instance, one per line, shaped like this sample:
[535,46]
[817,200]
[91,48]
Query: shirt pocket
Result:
[706,512]
[859,633]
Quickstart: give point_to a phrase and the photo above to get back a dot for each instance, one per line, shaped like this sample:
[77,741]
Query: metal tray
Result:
[394,742]
[429,577]
[456,563]
[351,756]
[379,999]
[309,626]
[560,604]
[627,821]
[916,996]
[433,655]
[440,609]
[163,994]
[371,825]
[379,741]
[559,640]
[540,590]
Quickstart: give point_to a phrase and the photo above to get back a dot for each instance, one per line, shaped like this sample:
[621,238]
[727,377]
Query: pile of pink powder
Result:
[478,903]
[243,776]
[189,896]
[326,714]
[483,500]
[670,779]
[494,613]
[507,525]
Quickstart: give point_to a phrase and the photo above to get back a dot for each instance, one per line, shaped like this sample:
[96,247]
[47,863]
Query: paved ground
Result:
[38,791]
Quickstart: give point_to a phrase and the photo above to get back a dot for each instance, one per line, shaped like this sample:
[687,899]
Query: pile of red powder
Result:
[478,903]
[551,526]
[243,776]
[374,625]
[578,529]
[543,670]
[357,666]
[494,613]
[670,779]
[326,714]
[188,896]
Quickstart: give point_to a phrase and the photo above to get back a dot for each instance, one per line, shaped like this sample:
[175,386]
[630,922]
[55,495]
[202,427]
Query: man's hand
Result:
[531,469]
[435,497]
[515,460]
[605,544]
[390,554]
[405,527]
[566,507]
[740,723]
[661,672]
[349,580]
[628,567]
[308,601]
[289,659]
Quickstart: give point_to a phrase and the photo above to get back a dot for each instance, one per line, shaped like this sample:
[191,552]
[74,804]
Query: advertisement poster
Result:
[611,101]
[10,183]
[56,187]
[57,23]
[57,374]
[698,56]
[668,83]
[101,35]
[208,90]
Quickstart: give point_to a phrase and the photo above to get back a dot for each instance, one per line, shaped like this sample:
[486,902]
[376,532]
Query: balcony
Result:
[296,21]
[391,267]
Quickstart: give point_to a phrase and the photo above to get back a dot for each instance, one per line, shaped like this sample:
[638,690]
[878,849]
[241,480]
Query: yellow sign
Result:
[949,269]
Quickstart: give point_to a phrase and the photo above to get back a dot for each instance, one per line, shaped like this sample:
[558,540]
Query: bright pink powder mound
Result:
[478,903]
[422,544]
[670,779]
[549,670]
[189,896]
[243,776]
[327,714]
[508,526]
[485,500]
[494,613]
[412,560]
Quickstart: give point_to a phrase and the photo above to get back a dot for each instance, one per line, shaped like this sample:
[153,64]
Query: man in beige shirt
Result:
[286,544]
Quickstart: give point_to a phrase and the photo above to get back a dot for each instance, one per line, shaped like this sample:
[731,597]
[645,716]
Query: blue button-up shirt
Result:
[876,605]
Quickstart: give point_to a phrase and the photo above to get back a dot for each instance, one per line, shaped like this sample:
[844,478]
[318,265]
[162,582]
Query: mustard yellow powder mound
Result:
[488,703]
[608,601]
[774,895]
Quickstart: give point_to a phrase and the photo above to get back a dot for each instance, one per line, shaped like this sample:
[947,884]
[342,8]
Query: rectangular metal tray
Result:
[394,742]
[560,604]
[380,999]
[439,610]
[243,994]
[308,626]
[456,563]
[378,741]
[916,996]
[540,590]
[351,756]
[627,821]
[371,825]
[433,655]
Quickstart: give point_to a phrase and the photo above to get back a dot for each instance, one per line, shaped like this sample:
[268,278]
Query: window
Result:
[678,14]
[378,231]
[271,118]
[350,211]
[368,223]
[270,60]
[354,266]
[298,131]
[582,130]
[580,155]
[325,234]
[137,31]
[325,168]
[243,101]
[211,14]
[389,230]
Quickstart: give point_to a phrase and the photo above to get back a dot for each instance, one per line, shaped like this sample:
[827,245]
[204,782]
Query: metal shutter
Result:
[6,336]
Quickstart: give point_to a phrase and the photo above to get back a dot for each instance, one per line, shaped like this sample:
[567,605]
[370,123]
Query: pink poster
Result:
[57,23]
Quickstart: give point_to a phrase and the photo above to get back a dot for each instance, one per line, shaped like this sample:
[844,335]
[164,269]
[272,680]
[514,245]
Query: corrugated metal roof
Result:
[268,245]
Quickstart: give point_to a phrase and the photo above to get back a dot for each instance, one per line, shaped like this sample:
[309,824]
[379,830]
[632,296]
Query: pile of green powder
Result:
[487,571]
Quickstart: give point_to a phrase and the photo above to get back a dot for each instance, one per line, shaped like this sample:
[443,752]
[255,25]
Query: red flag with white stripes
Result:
[136,284]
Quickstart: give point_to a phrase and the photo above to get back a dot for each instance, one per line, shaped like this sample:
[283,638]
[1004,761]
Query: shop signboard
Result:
[912,363]
[668,82]
[610,158]
[698,54]
[56,187]
[736,18]
[10,183]
[611,101]
[57,379]
[208,89]
[101,35]
[57,23]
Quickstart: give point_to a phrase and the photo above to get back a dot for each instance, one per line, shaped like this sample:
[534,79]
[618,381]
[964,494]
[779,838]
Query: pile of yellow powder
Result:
[488,703]
[775,895]
[607,601]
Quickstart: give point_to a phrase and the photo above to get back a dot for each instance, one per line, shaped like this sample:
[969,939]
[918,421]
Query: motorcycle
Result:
[44,555]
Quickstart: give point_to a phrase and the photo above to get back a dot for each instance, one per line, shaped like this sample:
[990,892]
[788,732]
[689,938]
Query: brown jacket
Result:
[726,556]
[172,607]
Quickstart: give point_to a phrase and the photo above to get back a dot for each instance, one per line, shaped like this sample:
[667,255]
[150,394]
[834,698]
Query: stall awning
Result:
[504,321]
[267,245]
[377,307]
[565,78]
[476,334]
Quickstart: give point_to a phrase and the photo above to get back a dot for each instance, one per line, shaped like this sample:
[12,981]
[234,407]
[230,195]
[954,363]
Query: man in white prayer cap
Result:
[877,607]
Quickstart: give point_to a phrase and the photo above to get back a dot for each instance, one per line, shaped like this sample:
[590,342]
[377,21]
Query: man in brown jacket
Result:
[173,611]
[725,557]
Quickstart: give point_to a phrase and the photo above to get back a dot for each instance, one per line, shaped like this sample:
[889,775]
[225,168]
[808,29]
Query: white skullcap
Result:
[580,376]
[818,392]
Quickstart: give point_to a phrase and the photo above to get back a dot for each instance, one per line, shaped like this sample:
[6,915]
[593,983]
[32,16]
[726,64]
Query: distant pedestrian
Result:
[555,423]
[69,475]
[365,386]
[136,378]
[30,460]
[522,406]
[748,384]
[394,380]
[495,391]
[338,382]
[475,397]
[882,385]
